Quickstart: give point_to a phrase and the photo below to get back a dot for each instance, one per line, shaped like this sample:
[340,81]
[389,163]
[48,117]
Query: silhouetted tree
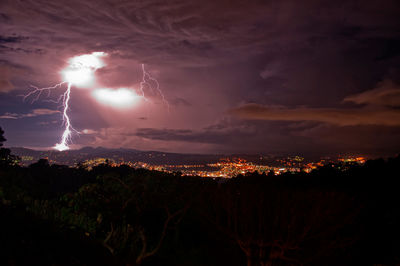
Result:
[40,164]
[277,225]
[332,216]
[6,158]
[2,138]
[130,212]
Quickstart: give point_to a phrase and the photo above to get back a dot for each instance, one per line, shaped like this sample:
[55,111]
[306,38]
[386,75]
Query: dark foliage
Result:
[336,215]
[2,138]
[6,158]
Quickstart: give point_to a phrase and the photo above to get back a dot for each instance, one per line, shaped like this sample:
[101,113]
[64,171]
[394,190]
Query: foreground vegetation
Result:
[56,215]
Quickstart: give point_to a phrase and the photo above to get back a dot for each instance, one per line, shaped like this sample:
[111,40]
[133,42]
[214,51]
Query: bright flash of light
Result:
[92,60]
[79,73]
[118,98]
[79,77]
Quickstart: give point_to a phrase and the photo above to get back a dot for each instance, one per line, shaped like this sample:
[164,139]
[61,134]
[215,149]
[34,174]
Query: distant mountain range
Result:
[72,157]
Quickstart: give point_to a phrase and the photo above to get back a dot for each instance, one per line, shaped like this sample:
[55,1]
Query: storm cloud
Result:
[248,76]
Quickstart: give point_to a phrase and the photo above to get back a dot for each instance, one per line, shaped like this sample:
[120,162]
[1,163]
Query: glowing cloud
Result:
[88,60]
[80,71]
[121,98]
[79,77]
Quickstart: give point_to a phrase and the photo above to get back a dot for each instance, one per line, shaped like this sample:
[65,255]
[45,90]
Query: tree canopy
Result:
[332,216]
[2,138]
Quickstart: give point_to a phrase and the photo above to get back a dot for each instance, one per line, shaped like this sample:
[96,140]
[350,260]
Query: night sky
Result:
[289,77]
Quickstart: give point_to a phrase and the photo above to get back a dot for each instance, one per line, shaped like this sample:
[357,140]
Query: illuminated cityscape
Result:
[227,168]
[212,166]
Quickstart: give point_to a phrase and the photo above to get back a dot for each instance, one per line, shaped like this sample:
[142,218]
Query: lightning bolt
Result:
[38,91]
[80,72]
[65,97]
[66,136]
[149,82]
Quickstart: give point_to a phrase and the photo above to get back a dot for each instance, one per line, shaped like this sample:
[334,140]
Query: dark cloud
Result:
[386,94]
[325,64]
[4,18]
[8,72]
[181,135]
[375,112]
[12,39]
[339,117]
[33,113]
[5,76]
[180,102]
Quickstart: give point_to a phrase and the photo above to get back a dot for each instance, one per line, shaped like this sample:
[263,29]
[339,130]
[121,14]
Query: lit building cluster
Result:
[89,164]
[224,168]
[359,160]
[313,165]
[227,168]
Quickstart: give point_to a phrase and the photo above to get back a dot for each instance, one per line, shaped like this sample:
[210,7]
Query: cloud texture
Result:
[240,76]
